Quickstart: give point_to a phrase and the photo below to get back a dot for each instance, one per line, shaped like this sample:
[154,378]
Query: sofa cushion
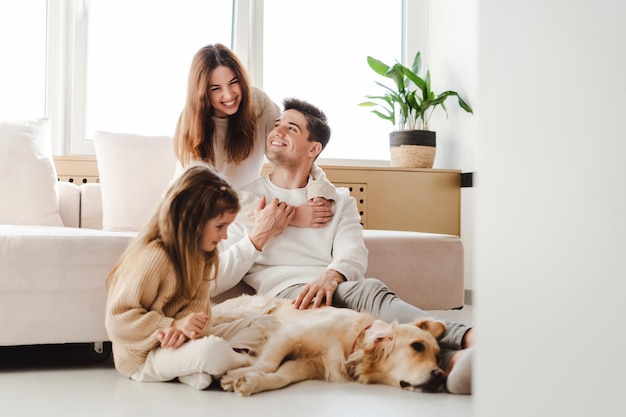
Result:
[52,282]
[424,269]
[28,178]
[69,204]
[134,172]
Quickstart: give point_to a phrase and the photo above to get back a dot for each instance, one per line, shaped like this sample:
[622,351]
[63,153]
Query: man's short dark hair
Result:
[317,122]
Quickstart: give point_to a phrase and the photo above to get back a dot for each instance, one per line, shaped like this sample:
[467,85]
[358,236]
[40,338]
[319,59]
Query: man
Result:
[318,265]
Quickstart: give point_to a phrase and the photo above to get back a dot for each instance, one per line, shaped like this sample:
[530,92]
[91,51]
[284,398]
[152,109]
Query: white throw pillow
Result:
[134,173]
[28,178]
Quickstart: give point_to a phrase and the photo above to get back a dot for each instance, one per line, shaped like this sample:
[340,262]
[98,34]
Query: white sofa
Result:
[52,278]
[52,271]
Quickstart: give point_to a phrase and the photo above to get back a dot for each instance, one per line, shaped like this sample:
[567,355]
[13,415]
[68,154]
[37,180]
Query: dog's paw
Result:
[243,385]
[227,383]
[248,384]
[229,379]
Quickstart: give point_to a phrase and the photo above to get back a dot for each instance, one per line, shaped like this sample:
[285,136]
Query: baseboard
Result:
[468,297]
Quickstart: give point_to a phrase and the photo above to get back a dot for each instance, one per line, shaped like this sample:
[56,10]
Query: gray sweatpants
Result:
[372,296]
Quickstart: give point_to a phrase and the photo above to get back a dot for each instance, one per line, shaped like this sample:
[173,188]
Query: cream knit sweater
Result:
[140,302]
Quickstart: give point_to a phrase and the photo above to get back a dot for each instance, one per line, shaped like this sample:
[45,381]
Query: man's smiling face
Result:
[287,142]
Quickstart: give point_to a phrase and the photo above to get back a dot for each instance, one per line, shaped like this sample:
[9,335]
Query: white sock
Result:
[460,378]
[199,380]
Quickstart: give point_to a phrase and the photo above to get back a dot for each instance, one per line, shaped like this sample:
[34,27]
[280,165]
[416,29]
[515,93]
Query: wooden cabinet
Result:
[423,200]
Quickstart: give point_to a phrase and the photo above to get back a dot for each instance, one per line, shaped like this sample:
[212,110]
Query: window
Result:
[122,66]
[23,69]
[317,51]
[138,58]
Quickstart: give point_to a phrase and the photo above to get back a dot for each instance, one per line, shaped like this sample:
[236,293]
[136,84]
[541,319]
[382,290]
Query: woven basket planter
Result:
[412,148]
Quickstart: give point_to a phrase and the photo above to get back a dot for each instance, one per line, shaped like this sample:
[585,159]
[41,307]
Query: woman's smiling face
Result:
[224,91]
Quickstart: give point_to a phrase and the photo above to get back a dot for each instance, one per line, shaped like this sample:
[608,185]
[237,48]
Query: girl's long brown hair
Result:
[194,135]
[198,196]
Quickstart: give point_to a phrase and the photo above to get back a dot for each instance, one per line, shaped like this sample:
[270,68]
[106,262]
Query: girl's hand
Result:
[191,325]
[171,338]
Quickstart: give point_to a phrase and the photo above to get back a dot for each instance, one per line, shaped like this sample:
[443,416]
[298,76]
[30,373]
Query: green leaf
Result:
[415,78]
[396,73]
[464,105]
[391,118]
[417,63]
[386,87]
[378,66]
[426,89]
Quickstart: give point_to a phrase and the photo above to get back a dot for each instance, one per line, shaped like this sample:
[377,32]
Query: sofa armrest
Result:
[69,204]
[91,206]
[424,269]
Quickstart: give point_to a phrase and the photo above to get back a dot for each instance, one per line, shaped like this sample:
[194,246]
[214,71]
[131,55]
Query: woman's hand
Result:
[315,213]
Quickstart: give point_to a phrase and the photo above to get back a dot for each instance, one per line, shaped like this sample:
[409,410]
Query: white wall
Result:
[452,57]
[550,248]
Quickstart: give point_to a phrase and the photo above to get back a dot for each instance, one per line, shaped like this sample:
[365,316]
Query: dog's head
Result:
[402,355]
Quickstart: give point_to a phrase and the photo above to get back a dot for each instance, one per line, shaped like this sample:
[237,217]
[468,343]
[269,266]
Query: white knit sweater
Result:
[298,255]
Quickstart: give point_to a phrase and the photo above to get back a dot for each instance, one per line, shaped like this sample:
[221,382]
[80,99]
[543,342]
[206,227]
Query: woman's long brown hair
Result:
[194,135]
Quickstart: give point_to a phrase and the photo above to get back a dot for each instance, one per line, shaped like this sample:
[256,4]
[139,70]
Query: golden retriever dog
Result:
[336,345]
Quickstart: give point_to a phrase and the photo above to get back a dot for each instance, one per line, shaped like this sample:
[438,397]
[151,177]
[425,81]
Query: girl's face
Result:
[224,91]
[215,230]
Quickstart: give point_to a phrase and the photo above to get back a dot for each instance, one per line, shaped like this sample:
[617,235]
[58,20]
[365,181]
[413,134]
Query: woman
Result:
[225,123]
[158,313]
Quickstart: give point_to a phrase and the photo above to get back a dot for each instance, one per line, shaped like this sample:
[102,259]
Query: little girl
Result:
[158,313]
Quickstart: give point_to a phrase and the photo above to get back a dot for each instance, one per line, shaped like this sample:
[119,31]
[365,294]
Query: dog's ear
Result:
[436,328]
[377,332]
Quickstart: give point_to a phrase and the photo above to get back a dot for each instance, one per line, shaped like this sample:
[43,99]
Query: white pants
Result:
[211,355]
[197,360]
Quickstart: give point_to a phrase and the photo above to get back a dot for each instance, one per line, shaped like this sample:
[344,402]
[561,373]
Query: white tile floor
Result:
[62,380]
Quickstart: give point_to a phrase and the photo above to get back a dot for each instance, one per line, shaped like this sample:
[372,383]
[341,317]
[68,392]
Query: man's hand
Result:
[320,289]
[270,220]
[314,213]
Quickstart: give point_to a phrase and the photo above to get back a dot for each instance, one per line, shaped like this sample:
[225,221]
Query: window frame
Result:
[66,86]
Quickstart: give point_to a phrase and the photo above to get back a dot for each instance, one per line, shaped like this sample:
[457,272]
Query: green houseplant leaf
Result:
[411,103]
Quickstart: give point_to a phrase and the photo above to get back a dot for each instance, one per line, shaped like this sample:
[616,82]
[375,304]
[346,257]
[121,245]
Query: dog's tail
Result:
[247,334]
[242,307]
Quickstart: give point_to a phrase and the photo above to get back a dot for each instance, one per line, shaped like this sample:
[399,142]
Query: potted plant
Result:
[409,107]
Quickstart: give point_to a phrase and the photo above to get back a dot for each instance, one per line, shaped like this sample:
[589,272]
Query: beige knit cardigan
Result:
[140,302]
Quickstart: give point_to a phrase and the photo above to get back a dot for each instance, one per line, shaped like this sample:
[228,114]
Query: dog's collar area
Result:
[358,336]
